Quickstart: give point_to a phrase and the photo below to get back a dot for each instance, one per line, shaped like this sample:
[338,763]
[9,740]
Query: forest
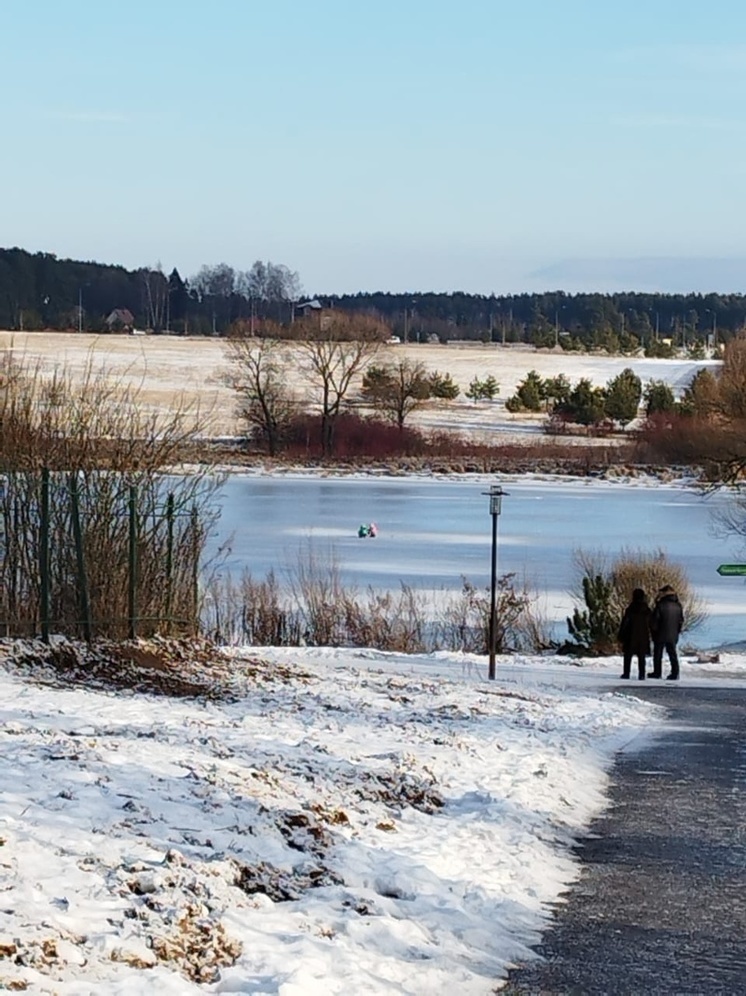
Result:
[38,291]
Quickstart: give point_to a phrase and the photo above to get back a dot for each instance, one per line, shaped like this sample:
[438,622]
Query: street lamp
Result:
[495,495]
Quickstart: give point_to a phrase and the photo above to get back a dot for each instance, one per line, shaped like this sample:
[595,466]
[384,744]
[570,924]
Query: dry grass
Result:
[107,459]
[316,609]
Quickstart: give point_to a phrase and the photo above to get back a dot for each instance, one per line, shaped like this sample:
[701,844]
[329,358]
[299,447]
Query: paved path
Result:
[661,905]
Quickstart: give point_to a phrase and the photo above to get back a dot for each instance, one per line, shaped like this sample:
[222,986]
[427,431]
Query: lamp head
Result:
[495,495]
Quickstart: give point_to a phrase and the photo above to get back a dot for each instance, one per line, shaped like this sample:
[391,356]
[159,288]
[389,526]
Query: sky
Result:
[403,145]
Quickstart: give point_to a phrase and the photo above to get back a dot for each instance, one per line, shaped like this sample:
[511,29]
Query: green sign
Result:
[732,570]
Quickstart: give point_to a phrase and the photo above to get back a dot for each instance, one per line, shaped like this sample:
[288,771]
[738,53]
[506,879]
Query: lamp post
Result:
[495,495]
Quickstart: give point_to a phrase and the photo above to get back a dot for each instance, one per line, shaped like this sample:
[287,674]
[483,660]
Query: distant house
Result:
[316,310]
[120,320]
[308,308]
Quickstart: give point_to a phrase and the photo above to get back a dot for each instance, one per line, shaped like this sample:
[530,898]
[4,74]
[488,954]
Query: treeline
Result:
[615,322]
[40,291]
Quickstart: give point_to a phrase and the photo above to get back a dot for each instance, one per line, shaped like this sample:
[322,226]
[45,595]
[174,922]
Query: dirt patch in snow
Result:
[179,668]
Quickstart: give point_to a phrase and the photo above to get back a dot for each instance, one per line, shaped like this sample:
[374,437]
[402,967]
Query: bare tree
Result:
[267,284]
[155,296]
[396,390]
[336,351]
[215,286]
[293,289]
[259,376]
[214,281]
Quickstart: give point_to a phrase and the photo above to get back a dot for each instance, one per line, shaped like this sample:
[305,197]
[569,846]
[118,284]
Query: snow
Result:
[341,822]
[168,371]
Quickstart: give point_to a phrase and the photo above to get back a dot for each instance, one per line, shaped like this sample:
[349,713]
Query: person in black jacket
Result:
[665,626]
[634,633]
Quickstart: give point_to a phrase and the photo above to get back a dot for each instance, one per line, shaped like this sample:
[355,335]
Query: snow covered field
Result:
[342,822]
[168,369]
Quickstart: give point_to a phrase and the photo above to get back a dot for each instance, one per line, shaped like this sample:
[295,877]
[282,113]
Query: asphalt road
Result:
[661,903]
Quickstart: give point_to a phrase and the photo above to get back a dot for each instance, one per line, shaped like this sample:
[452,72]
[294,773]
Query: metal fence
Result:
[166,535]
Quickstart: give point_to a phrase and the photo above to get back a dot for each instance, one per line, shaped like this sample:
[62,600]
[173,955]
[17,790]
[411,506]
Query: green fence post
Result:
[44,554]
[195,569]
[133,562]
[85,605]
[169,560]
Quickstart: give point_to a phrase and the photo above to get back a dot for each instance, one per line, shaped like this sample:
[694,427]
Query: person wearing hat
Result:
[665,626]
[634,633]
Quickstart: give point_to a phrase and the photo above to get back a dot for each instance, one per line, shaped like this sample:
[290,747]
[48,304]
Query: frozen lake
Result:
[432,531]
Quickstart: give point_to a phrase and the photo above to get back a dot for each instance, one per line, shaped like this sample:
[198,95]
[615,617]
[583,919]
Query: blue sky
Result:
[401,145]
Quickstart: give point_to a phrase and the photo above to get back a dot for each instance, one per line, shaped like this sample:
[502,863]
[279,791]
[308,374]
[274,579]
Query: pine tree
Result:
[659,398]
[594,628]
[623,394]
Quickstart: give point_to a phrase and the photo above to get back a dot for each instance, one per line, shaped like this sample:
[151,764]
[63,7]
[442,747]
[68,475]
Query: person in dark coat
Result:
[665,627]
[634,633]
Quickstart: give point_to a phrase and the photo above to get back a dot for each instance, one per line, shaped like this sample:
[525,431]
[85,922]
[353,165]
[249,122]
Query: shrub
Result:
[658,398]
[585,404]
[442,386]
[518,626]
[317,609]
[660,349]
[651,570]
[529,394]
[557,389]
[354,436]
[606,587]
[480,389]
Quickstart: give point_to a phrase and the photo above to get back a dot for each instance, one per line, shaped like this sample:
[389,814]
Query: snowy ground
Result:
[341,822]
[170,369]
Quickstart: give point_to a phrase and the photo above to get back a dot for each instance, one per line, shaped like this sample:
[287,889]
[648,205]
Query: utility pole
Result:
[80,309]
